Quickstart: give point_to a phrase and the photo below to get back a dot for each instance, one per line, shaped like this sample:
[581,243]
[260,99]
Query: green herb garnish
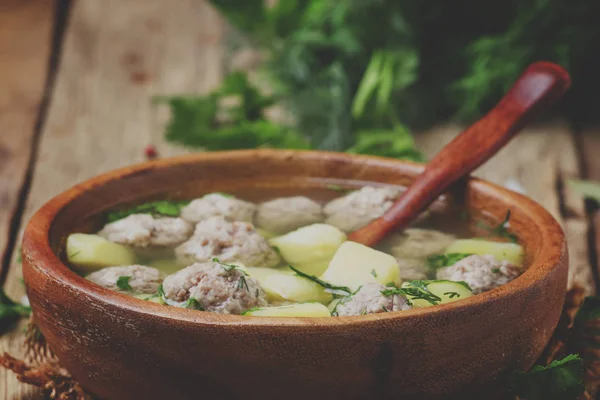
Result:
[10,311]
[229,267]
[242,282]
[374,273]
[163,208]
[123,283]
[446,260]
[343,290]
[193,304]
[560,380]
[414,290]
[495,270]
[451,294]
[501,230]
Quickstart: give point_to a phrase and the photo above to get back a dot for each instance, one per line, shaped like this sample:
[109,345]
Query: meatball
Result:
[142,279]
[357,209]
[370,300]
[229,242]
[481,273]
[143,230]
[216,287]
[412,269]
[217,204]
[288,213]
[417,243]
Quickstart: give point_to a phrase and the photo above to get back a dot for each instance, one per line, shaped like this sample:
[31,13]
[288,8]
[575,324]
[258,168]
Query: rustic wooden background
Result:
[76,79]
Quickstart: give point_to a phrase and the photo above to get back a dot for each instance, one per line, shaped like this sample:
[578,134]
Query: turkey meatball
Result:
[141,279]
[287,214]
[143,230]
[370,300]
[481,273]
[217,204]
[217,287]
[229,242]
[355,210]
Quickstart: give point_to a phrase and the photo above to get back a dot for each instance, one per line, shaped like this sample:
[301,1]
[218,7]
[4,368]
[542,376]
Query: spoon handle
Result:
[540,85]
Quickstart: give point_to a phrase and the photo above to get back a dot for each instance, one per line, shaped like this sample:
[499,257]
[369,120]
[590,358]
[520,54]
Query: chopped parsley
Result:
[560,380]
[495,270]
[446,260]
[341,290]
[193,304]
[161,291]
[374,273]
[123,283]
[501,230]
[163,208]
[338,188]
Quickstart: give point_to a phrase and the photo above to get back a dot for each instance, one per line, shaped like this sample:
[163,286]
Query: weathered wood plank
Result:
[539,160]
[25,42]
[590,147]
[116,55]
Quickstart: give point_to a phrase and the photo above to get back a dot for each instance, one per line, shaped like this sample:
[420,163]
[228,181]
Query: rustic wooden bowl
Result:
[119,347]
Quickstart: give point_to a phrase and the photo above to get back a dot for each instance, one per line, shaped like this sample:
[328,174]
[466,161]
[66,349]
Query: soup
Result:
[288,256]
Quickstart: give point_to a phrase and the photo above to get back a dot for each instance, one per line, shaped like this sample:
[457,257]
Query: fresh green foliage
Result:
[500,230]
[560,380]
[340,290]
[164,208]
[353,74]
[242,283]
[445,260]
[10,311]
[123,283]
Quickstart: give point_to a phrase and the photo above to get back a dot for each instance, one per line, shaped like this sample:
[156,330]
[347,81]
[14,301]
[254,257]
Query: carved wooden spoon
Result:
[541,85]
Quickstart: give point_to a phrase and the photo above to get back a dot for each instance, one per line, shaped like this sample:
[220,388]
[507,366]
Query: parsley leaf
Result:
[560,380]
[10,311]
[446,260]
[164,208]
[123,283]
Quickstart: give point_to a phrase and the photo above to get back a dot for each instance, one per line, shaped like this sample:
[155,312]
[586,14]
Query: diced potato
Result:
[448,291]
[315,268]
[167,266]
[510,252]
[261,273]
[92,252]
[267,235]
[294,288]
[309,244]
[354,265]
[294,310]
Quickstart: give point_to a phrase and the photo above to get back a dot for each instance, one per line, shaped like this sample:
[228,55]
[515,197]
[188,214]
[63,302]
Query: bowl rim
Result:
[37,252]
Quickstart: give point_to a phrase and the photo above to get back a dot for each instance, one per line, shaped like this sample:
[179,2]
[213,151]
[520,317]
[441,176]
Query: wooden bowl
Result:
[119,347]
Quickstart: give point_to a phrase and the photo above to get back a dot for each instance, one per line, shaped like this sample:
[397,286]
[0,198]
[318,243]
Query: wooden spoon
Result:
[541,85]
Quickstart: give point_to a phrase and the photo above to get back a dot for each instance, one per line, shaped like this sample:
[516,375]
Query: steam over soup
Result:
[289,256]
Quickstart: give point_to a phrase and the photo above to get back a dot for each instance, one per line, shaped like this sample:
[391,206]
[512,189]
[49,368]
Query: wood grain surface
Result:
[117,54]
[25,43]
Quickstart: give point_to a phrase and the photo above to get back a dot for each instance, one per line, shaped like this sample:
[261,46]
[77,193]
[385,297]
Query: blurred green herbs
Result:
[356,75]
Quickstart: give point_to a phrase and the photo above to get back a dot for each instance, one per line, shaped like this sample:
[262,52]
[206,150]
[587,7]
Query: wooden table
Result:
[75,90]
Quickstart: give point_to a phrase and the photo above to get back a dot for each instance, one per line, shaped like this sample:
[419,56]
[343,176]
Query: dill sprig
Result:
[341,290]
[500,230]
[162,208]
[445,260]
